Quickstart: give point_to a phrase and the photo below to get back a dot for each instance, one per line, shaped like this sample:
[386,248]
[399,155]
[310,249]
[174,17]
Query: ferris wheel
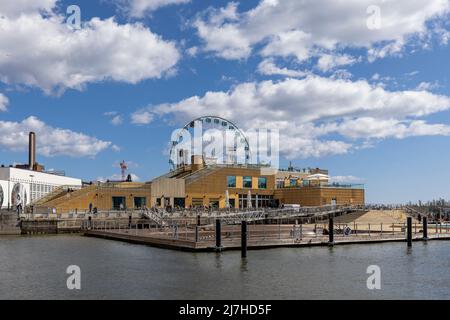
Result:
[217,140]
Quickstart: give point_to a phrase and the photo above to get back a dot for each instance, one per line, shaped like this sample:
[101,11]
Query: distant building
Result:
[25,184]
[201,185]
[23,187]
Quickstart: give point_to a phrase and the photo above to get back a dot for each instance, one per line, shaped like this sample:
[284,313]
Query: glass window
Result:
[280,183]
[231,181]
[247,182]
[179,202]
[118,203]
[140,202]
[197,202]
[262,183]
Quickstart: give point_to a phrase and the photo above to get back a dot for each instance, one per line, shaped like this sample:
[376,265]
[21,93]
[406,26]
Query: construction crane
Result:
[123,168]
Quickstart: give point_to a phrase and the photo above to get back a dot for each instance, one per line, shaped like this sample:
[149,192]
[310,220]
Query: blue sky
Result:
[371,106]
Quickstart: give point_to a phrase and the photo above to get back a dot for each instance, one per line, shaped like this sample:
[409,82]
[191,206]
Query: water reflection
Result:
[34,268]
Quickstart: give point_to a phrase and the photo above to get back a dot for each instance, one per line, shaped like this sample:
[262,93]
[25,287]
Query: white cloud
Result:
[115,148]
[427,86]
[139,8]
[328,62]
[375,128]
[192,51]
[51,141]
[4,101]
[345,179]
[307,111]
[304,29]
[117,120]
[18,7]
[268,67]
[142,116]
[31,44]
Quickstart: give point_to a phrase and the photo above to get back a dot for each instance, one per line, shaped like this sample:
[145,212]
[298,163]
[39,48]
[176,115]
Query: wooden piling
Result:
[409,231]
[218,234]
[425,228]
[331,230]
[244,239]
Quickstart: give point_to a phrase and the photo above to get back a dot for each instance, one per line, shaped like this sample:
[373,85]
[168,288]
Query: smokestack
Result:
[31,150]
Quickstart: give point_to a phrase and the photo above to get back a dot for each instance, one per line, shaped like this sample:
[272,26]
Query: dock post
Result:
[198,220]
[89,226]
[425,228]
[330,230]
[244,239]
[409,231]
[129,222]
[218,235]
[196,233]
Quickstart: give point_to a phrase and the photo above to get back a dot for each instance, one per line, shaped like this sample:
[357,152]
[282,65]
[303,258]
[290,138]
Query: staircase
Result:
[50,196]
[67,196]
[153,216]
[196,175]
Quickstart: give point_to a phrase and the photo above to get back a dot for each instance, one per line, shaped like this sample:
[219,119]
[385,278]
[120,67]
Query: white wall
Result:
[12,176]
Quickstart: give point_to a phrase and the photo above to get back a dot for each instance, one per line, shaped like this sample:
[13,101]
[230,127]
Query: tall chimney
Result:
[31,150]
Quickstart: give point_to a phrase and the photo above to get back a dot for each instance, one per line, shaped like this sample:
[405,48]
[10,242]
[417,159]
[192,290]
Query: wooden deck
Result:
[260,237]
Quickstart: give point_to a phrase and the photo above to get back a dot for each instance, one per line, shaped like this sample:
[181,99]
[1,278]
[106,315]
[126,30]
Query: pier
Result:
[208,230]
[275,229]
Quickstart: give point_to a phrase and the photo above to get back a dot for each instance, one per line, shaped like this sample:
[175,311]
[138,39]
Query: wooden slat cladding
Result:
[317,196]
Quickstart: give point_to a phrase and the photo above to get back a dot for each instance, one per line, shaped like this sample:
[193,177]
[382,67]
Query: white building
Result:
[22,186]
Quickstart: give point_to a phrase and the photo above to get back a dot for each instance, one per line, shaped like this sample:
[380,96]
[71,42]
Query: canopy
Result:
[318,176]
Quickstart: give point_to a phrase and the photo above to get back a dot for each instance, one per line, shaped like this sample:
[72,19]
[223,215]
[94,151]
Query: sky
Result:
[358,87]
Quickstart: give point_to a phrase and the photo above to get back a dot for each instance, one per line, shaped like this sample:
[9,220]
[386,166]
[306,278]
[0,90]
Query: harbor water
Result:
[35,268]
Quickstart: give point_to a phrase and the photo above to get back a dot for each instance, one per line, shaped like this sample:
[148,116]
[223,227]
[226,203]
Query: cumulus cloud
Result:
[32,43]
[268,67]
[18,7]
[4,101]
[328,62]
[52,141]
[139,8]
[115,118]
[142,116]
[316,116]
[304,29]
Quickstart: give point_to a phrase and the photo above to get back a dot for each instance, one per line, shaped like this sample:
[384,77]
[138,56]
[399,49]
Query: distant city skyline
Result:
[360,89]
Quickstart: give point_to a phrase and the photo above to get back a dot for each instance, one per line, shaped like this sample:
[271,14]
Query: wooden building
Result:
[199,185]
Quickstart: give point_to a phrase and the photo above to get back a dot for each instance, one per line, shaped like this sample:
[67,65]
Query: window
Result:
[197,202]
[119,203]
[231,181]
[262,183]
[179,202]
[214,203]
[280,183]
[140,202]
[247,182]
